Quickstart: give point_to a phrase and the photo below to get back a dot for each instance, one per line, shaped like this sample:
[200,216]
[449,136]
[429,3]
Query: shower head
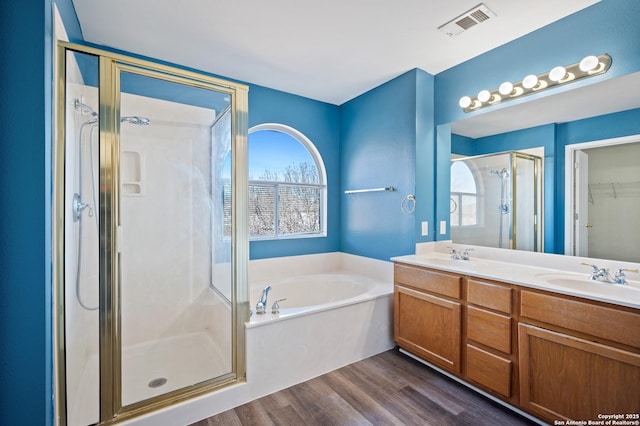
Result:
[138,121]
[501,173]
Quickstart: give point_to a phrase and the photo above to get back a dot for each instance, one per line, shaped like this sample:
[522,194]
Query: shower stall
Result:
[151,236]
[496,201]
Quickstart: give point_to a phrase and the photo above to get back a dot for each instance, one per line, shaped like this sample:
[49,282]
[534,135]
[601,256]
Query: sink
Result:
[448,262]
[584,284]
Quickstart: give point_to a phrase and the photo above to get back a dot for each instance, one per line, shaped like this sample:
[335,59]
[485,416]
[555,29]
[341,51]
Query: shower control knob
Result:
[78,208]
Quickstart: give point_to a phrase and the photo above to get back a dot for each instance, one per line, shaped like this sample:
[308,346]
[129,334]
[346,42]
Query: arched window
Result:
[287,184]
[464,195]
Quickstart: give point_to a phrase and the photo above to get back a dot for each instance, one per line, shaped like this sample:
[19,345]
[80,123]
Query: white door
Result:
[581,204]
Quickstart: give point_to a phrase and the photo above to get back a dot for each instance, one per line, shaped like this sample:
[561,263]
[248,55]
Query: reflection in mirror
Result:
[496,200]
[606,183]
[607,109]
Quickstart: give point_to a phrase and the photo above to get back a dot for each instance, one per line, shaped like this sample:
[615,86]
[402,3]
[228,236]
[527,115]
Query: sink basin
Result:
[448,262]
[631,291]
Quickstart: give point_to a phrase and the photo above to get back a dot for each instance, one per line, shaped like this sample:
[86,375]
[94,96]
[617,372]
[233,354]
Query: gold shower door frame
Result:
[110,67]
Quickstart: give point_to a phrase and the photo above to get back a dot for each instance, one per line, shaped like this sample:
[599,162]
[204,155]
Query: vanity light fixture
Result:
[587,67]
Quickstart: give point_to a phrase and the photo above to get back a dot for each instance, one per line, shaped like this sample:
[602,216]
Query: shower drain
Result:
[156,383]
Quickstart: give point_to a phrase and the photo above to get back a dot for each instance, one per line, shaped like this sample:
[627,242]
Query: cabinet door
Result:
[564,377]
[428,326]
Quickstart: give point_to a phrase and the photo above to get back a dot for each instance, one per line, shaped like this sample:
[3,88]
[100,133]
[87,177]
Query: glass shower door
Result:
[175,268]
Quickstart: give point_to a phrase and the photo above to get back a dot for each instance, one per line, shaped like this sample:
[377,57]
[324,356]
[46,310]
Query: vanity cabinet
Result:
[580,359]
[428,315]
[554,356]
[489,349]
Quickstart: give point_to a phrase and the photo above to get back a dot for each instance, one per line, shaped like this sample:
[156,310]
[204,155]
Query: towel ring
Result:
[406,199]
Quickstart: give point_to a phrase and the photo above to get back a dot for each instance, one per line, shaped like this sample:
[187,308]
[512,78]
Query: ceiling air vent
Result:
[470,18]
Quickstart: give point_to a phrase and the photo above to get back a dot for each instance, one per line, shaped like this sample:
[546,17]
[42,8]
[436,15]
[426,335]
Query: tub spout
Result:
[262,302]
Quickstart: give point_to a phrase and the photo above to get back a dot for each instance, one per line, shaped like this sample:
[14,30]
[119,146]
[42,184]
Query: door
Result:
[428,326]
[564,377]
[153,198]
[581,204]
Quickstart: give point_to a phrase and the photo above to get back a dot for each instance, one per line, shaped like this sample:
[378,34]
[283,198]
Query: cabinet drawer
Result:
[435,282]
[599,321]
[489,370]
[489,295]
[489,328]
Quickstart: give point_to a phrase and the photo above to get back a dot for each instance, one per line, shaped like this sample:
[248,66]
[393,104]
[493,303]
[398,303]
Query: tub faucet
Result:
[262,302]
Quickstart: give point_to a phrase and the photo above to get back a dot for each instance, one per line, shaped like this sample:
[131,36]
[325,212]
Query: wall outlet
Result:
[443,227]
[425,228]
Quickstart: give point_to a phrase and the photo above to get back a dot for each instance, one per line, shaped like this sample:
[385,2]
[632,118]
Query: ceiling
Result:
[330,51]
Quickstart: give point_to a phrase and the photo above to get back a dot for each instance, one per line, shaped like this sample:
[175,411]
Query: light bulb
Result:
[557,74]
[464,102]
[530,81]
[506,88]
[589,63]
[484,96]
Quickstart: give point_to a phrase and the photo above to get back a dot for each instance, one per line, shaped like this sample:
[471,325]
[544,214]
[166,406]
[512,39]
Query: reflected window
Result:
[287,189]
[464,195]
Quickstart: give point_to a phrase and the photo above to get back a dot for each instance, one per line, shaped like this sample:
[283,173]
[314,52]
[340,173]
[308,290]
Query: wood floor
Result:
[387,389]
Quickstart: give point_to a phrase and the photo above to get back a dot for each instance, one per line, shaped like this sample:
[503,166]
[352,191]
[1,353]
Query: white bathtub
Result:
[339,310]
[306,294]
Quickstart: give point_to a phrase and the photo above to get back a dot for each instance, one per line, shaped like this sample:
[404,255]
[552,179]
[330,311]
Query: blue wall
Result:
[378,149]
[609,26]
[319,122]
[25,195]
[384,137]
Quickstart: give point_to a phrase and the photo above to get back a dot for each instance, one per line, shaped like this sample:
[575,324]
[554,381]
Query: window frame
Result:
[456,197]
[322,184]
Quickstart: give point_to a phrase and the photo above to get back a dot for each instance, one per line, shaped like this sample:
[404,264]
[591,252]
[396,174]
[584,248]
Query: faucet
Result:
[599,274]
[262,302]
[465,254]
[275,308]
[620,278]
[456,255]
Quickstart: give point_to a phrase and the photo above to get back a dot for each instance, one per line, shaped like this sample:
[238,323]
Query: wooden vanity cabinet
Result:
[489,350]
[428,315]
[557,357]
[580,359]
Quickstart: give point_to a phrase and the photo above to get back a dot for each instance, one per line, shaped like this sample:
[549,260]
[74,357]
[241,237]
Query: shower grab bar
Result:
[358,191]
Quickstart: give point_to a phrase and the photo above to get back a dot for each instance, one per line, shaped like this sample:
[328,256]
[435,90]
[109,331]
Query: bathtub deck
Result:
[389,388]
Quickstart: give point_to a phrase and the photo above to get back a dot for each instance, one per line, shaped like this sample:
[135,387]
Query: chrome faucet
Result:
[599,274]
[465,254]
[262,302]
[275,308]
[620,277]
[456,255]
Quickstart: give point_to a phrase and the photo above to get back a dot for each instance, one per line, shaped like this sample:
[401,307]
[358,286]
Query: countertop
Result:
[556,280]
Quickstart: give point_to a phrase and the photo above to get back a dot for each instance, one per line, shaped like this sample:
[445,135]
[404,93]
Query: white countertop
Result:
[520,272]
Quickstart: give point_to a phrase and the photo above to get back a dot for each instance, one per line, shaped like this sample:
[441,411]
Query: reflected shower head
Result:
[138,121]
[501,173]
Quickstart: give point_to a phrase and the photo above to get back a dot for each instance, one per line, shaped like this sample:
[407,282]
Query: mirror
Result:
[530,125]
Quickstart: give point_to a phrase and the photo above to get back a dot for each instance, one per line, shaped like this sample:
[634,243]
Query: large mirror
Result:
[592,212]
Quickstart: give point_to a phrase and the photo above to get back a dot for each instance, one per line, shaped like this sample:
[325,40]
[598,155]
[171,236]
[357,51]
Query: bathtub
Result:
[306,294]
[338,310]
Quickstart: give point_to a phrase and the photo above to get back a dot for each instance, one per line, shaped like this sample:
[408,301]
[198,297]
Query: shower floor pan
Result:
[153,368]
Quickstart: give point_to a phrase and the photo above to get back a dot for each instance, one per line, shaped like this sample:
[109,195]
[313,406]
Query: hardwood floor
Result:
[387,389]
